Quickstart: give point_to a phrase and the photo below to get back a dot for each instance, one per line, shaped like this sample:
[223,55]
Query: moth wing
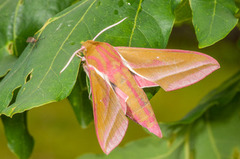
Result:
[170,69]
[109,118]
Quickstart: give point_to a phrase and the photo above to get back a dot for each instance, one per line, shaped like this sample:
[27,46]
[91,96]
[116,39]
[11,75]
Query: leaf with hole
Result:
[61,36]
[19,20]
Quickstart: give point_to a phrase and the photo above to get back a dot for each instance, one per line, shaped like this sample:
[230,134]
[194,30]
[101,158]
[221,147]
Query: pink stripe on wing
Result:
[142,83]
[122,97]
[147,111]
[102,53]
[135,94]
[118,58]
[99,64]
[192,78]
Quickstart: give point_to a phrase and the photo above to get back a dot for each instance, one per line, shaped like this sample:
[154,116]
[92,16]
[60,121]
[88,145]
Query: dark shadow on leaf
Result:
[29,76]
[1,78]
[15,93]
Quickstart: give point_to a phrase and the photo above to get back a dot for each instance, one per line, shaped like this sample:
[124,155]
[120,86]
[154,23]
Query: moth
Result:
[118,74]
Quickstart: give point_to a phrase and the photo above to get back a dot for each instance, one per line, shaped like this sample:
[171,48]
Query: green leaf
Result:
[213,19]
[7,59]
[223,95]
[237,3]
[20,142]
[157,14]
[37,69]
[6,64]
[151,91]
[183,12]
[80,102]
[19,20]
[213,135]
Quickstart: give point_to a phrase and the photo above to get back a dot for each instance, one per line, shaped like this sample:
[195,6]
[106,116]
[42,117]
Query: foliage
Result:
[208,131]
[20,141]
[29,74]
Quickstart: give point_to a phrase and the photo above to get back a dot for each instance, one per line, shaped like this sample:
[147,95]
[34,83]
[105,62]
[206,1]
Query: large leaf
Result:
[213,19]
[6,63]
[213,135]
[20,142]
[223,95]
[61,36]
[80,102]
[183,12]
[20,19]
[6,46]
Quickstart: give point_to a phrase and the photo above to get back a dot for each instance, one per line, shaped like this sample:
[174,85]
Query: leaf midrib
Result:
[50,67]
[135,22]
[211,138]
[213,17]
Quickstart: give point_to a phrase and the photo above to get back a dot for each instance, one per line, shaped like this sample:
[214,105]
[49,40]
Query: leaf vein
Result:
[50,67]
[135,22]
[165,155]
[3,4]
[88,30]
[56,18]
[213,17]
[212,140]
[14,27]
[66,40]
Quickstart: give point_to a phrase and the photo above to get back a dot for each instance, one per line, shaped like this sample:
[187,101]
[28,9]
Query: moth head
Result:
[88,45]
[79,53]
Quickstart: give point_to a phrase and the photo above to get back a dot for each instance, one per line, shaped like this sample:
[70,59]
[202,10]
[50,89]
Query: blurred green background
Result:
[57,134]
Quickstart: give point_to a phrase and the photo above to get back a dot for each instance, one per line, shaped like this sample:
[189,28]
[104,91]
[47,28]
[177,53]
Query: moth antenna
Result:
[82,48]
[75,53]
[109,27]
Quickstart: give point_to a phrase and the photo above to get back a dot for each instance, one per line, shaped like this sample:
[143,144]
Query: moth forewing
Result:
[146,82]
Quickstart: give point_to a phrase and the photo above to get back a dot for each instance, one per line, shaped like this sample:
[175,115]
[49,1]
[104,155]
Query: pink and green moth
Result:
[118,74]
